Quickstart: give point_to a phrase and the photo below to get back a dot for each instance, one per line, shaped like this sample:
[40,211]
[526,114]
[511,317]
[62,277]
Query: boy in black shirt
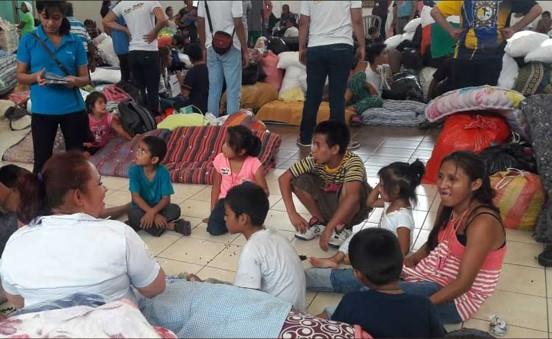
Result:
[384,310]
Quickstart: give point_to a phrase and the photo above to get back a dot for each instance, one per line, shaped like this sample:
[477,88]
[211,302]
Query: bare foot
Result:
[323,262]
[193,277]
[323,315]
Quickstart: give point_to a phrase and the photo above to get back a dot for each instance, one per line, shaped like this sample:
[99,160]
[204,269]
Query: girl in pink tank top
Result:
[466,248]
[237,163]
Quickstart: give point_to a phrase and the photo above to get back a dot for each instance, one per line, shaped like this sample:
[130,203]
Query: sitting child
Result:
[151,190]
[377,73]
[360,94]
[385,311]
[101,123]
[194,88]
[330,183]
[395,192]
[246,207]
[237,163]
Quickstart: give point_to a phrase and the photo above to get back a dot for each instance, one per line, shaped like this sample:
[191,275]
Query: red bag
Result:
[465,132]
[115,94]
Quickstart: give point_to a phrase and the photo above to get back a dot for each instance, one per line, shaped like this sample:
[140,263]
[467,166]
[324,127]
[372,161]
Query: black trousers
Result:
[74,127]
[466,73]
[216,224]
[145,67]
[125,67]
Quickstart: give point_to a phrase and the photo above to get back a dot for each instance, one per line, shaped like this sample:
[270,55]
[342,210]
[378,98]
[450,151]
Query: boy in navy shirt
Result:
[151,189]
[384,310]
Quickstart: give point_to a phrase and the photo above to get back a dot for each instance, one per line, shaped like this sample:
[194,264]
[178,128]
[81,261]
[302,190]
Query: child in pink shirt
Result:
[236,164]
[101,123]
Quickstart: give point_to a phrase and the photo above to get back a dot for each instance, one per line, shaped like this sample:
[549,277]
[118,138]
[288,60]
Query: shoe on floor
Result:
[313,232]
[339,238]
[316,228]
[300,144]
[545,258]
[183,227]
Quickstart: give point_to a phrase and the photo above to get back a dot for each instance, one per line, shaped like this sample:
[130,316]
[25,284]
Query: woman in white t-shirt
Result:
[71,250]
[395,192]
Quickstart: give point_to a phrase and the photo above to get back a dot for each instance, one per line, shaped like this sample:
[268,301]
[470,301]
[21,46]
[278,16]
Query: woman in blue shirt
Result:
[54,104]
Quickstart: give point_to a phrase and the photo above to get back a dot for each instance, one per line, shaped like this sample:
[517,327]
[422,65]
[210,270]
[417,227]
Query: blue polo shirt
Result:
[53,99]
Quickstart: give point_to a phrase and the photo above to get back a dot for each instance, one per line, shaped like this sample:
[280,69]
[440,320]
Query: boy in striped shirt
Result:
[331,184]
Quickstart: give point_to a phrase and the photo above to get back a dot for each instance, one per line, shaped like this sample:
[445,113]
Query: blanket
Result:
[291,112]
[121,319]
[400,113]
[536,109]
[114,159]
[203,310]
[191,151]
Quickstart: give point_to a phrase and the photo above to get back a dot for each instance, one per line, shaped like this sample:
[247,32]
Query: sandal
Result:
[183,227]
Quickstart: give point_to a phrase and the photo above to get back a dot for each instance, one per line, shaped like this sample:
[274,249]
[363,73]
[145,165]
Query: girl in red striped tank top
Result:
[465,250]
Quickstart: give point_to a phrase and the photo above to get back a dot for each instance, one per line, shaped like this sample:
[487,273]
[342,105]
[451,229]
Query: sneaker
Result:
[300,144]
[353,145]
[313,232]
[339,237]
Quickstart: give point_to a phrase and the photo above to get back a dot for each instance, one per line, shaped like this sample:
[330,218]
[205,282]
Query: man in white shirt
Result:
[144,20]
[226,16]
[328,26]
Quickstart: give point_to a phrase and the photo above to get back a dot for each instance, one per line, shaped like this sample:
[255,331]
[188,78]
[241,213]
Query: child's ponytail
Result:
[416,171]
[255,146]
[241,138]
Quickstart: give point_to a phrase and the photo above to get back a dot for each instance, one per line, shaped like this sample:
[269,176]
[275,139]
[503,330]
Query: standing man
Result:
[26,18]
[403,12]
[144,20]
[225,16]
[120,41]
[329,27]
[255,21]
[481,36]
[381,9]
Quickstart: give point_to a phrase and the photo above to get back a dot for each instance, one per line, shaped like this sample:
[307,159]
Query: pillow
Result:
[291,81]
[483,98]
[106,52]
[411,26]
[522,43]
[105,76]
[247,119]
[543,53]
[393,41]
[509,73]
[288,59]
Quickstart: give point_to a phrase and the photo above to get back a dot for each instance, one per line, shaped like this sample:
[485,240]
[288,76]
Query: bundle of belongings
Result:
[527,63]
[500,125]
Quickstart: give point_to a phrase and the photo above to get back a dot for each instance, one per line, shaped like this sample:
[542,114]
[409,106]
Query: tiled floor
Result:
[524,291]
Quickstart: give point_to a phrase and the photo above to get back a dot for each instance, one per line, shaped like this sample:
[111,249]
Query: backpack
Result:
[131,90]
[135,119]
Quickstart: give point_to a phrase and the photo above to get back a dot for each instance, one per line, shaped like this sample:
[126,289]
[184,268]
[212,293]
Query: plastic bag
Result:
[511,155]
[519,197]
[405,86]
[465,132]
